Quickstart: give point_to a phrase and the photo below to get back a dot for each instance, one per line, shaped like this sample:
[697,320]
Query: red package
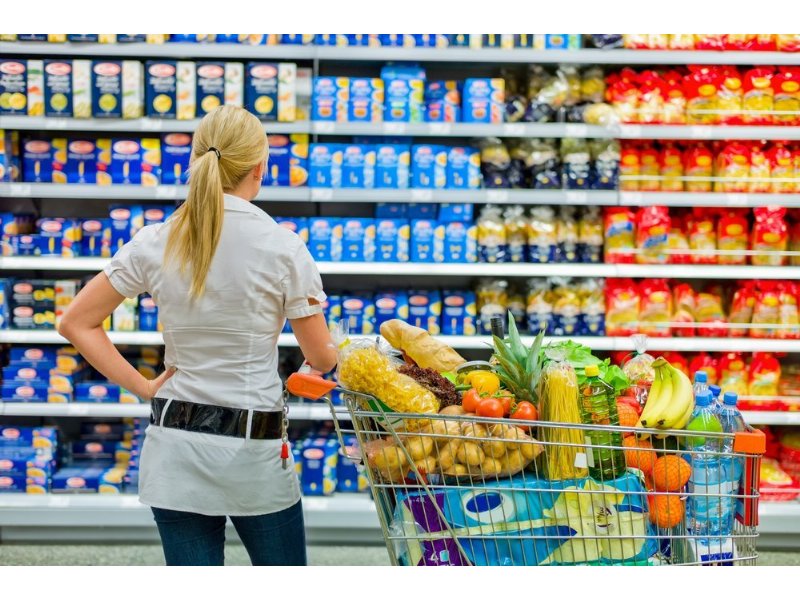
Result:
[765,42]
[760,169]
[794,242]
[649,168]
[678,240]
[709,41]
[671,167]
[787,42]
[770,234]
[630,166]
[764,375]
[729,101]
[789,315]
[698,167]
[702,94]
[702,237]
[709,312]
[652,229]
[677,360]
[655,307]
[623,95]
[674,98]
[733,375]
[622,307]
[733,236]
[651,97]
[619,231]
[786,96]
[707,363]
[681,41]
[742,305]
[733,168]
[757,102]
[739,41]
[684,315]
[766,310]
[781,164]
[636,41]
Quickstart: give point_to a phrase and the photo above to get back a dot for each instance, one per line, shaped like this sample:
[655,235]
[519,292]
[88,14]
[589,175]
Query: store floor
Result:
[235,554]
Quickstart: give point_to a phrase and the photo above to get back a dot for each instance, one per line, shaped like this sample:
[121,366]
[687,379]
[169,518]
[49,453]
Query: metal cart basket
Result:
[499,506]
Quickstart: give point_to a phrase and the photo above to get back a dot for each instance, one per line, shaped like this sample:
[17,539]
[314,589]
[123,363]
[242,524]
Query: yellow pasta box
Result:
[210,86]
[156,38]
[287,92]
[234,84]
[13,87]
[82,89]
[36,92]
[185,91]
[132,89]
[103,176]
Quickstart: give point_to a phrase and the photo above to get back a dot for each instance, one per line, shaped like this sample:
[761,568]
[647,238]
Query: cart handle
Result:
[311,387]
[752,441]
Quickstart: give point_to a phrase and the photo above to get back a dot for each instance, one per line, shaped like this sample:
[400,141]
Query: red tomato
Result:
[490,407]
[525,411]
[506,402]
[470,400]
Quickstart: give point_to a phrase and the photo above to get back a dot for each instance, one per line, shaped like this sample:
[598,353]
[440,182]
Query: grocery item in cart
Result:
[421,347]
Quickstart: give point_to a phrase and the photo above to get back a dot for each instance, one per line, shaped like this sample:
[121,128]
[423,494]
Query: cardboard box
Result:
[23,392]
[456,243]
[176,149]
[463,170]
[82,89]
[161,89]
[210,91]
[288,160]
[330,99]
[484,100]
[442,102]
[133,89]
[359,313]
[66,290]
[13,86]
[38,157]
[358,240]
[459,312]
[424,244]
[392,237]
[106,89]
[325,165]
[36,91]
[425,310]
[358,166]
[10,164]
[392,166]
[366,100]
[390,305]
[261,90]
[125,221]
[428,166]
[287,92]
[325,238]
[234,84]
[96,238]
[304,87]
[58,88]
[148,313]
[97,391]
[136,161]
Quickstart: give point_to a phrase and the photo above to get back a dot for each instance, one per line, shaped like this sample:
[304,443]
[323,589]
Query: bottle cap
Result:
[700,377]
[703,399]
[730,398]
[715,390]
[591,371]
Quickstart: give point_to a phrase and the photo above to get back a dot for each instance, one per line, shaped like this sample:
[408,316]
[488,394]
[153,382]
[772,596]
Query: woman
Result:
[225,278]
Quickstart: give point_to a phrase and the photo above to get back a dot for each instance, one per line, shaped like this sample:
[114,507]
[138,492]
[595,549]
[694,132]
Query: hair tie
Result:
[215,151]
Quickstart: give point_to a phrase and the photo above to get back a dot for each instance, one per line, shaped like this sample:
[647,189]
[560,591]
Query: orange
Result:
[639,454]
[628,417]
[671,473]
[665,511]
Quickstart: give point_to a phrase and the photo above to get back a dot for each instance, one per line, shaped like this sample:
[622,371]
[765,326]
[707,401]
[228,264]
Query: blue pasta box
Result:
[424,243]
[51,237]
[362,39]
[161,89]
[296,38]
[330,99]
[97,391]
[423,210]
[96,237]
[325,165]
[80,38]
[425,310]
[77,480]
[460,40]
[395,40]
[459,312]
[38,158]
[452,213]
[33,354]
[44,440]
[523,40]
[350,476]
[442,102]
[392,166]
[358,240]
[332,309]
[297,225]
[210,82]
[557,41]
[358,166]
[136,161]
[429,40]
[106,86]
[320,457]
[58,88]
[325,238]
[391,210]
[366,100]
[404,100]
[288,160]
[359,313]
[463,168]
[92,450]
[148,314]
[330,39]
[26,373]
[484,100]
[5,313]
[176,150]
[154,215]
[24,392]
[81,163]
[39,316]
[13,86]
[10,165]
[17,484]
[131,38]
[124,222]
[392,237]
[390,305]
[24,462]
[25,245]
[261,90]
[32,292]
[428,166]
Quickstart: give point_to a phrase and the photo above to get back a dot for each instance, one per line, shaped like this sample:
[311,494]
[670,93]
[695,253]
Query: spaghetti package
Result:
[590,236]
[709,312]
[770,234]
[630,166]
[732,237]
[670,163]
[764,375]
[622,307]
[729,101]
[786,100]
[742,305]
[684,310]
[651,97]
[678,241]
[732,168]
[702,86]
[698,167]
[623,94]
[702,237]
[788,312]
[619,232]
[675,99]
[709,41]
[650,168]
[787,42]
[652,228]
[655,307]
[733,375]
[766,310]
[760,169]
[794,242]
[758,96]
[782,173]
[706,363]
[540,306]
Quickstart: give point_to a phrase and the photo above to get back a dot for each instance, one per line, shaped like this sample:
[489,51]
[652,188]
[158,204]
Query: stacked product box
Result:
[27,458]
[324,467]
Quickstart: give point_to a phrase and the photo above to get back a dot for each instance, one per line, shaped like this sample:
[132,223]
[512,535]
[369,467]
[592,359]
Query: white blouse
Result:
[224,346]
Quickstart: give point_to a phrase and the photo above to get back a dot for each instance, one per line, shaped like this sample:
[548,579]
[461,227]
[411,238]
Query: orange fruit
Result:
[639,454]
[671,473]
[628,417]
[665,511]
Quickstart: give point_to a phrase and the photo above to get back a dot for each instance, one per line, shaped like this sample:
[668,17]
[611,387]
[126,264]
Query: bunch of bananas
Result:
[671,399]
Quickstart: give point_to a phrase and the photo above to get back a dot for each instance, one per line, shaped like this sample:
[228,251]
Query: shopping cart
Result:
[434,514]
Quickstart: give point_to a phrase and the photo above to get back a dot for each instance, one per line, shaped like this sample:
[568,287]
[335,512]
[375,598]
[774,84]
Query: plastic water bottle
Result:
[732,421]
[700,382]
[705,513]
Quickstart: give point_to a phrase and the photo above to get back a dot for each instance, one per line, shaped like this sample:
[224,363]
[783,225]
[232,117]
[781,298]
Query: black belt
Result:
[217,420]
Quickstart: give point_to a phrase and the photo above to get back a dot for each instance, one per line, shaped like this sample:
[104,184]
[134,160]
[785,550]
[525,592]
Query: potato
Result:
[470,454]
[418,447]
[389,458]
[495,448]
[475,430]
[426,465]
[456,470]
[530,448]
[455,409]
[491,467]
[514,462]
[447,454]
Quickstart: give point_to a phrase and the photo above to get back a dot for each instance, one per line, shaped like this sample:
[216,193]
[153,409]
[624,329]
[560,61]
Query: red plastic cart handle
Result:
[311,387]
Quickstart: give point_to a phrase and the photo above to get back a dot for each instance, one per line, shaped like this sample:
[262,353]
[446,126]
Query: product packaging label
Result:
[96,391]
[176,151]
[325,239]
[148,314]
[359,312]
[58,88]
[392,166]
[325,165]
[483,101]
[358,166]
[463,169]
[261,90]
[392,237]
[13,87]
[358,240]
[366,100]
[330,99]
[425,310]
[458,243]
[428,166]
[288,160]
[424,243]
[390,305]
[210,91]
[107,89]
[459,313]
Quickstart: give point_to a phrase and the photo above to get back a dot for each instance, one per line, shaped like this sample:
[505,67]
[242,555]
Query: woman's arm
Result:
[315,341]
[82,325]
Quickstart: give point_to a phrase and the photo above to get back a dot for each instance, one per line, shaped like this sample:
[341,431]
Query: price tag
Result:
[577,197]
[576,130]
[324,127]
[321,194]
[440,128]
[151,124]
[497,196]
[20,189]
[395,128]
[422,195]
[166,192]
[701,132]
[582,459]
[513,130]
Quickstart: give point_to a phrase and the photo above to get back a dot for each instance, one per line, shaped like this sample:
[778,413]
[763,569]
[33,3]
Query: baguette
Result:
[420,346]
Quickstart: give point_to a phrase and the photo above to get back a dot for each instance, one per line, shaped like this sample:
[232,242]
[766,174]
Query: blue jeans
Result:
[189,539]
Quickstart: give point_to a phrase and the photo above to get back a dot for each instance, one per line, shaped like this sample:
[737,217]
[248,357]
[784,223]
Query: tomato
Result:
[490,407]
[470,400]
[525,411]
[506,398]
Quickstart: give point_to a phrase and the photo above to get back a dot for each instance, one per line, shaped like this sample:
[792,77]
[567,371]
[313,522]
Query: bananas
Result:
[671,400]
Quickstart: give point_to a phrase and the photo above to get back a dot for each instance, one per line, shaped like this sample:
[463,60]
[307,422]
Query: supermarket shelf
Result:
[144,125]
[690,199]
[36,263]
[768,417]
[468,55]
[478,342]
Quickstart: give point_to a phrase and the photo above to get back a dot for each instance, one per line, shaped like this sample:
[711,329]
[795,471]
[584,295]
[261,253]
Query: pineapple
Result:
[518,366]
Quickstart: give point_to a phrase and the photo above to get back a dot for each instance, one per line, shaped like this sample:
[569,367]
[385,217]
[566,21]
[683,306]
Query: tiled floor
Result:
[150,554]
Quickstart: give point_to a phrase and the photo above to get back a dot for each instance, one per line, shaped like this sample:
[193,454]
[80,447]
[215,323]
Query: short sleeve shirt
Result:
[224,346]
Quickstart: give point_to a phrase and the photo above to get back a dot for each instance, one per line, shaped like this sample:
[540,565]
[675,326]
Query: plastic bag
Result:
[622,307]
[542,237]
[639,369]
[590,236]
[539,307]
[765,374]
[684,306]
[655,307]
[567,235]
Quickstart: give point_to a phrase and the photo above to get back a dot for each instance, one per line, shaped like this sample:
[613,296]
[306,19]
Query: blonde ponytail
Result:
[228,144]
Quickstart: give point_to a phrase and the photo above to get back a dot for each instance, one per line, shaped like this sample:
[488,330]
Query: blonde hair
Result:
[228,144]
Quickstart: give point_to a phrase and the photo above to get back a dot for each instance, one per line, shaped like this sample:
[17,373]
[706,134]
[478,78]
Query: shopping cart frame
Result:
[590,512]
